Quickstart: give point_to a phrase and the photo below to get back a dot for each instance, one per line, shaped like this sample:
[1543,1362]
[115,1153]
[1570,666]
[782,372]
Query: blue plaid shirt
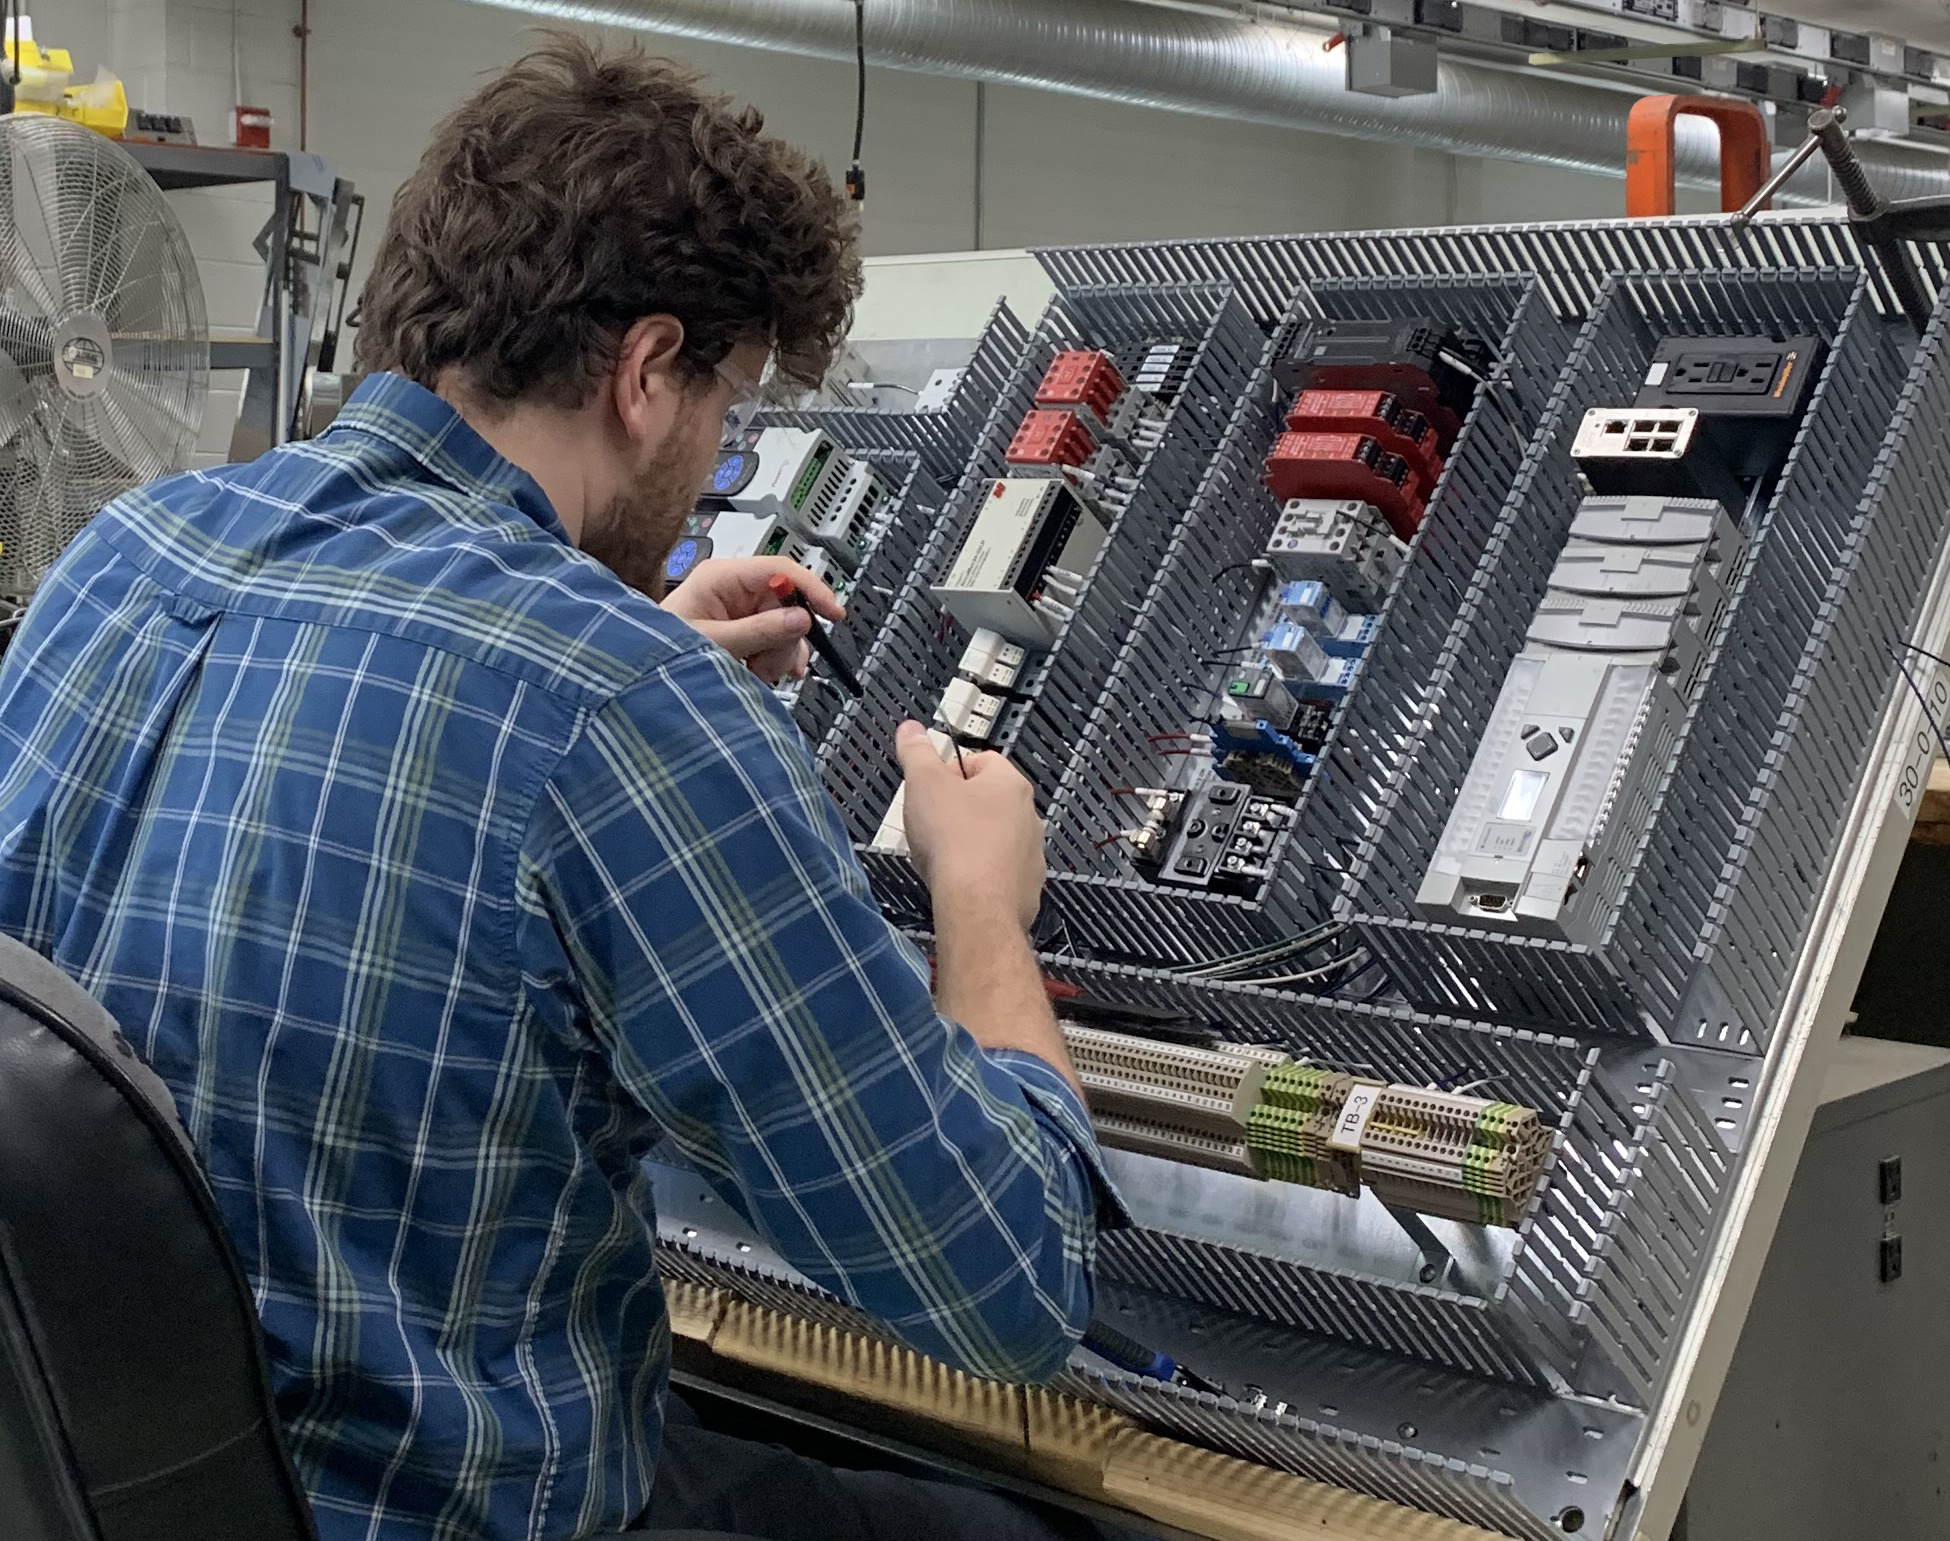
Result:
[440,874]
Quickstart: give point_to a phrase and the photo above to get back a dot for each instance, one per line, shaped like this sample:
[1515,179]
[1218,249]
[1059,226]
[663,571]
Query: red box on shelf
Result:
[1081,377]
[1384,417]
[251,128]
[1051,439]
[1345,465]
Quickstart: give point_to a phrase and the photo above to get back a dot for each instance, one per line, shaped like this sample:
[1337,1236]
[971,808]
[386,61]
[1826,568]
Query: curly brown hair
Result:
[577,193]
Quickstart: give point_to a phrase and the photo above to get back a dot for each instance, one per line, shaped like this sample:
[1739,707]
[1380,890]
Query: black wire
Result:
[1928,716]
[860,60]
[1934,658]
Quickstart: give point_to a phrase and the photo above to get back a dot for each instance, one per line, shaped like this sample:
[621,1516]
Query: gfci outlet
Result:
[1722,374]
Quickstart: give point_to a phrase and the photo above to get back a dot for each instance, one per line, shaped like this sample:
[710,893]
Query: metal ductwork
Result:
[1255,71]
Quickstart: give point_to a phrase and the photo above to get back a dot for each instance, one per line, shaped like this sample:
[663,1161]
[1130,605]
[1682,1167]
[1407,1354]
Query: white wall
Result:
[1050,168]
[951,166]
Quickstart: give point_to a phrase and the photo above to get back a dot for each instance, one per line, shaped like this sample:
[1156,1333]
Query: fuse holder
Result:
[1050,439]
[1083,377]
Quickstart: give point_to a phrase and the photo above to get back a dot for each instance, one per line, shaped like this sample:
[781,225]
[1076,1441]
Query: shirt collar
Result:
[413,419]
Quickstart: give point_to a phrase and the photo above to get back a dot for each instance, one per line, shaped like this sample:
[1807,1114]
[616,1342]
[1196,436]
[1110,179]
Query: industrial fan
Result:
[104,349]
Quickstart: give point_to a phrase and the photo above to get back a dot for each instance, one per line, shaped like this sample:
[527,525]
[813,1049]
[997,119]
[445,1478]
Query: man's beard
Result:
[634,533]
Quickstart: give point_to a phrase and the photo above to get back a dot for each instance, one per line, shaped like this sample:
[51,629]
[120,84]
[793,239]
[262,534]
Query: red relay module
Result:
[1346,465]
[1383,417]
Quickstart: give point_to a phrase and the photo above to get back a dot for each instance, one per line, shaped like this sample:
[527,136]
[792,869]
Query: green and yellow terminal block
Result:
[1256,1112]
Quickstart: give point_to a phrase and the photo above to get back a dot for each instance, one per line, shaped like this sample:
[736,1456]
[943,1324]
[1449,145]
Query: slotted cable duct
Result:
[1255,71]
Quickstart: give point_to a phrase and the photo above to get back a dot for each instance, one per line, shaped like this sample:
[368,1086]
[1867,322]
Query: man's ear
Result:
[649,379]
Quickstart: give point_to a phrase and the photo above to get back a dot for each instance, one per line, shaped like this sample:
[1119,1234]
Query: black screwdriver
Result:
[822,644]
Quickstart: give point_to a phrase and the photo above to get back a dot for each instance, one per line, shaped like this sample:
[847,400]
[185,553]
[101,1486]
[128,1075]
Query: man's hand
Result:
[977,842]
[731,602]
[979,845]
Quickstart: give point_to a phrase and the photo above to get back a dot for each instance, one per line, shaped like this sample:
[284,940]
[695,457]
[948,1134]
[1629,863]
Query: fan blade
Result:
[150,426]
[126,282]
[34,262]
[18,400]
[40,516]
[27,340]
[120,443]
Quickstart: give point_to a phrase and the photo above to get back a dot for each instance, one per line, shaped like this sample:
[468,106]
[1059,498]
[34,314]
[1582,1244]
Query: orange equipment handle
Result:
[1744,159]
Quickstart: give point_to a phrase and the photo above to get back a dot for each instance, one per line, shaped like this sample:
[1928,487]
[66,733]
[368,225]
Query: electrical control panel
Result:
[1464,679]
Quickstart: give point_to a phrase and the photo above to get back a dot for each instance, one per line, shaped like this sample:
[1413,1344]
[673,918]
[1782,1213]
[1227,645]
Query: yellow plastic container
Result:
[44,74]
[102,106]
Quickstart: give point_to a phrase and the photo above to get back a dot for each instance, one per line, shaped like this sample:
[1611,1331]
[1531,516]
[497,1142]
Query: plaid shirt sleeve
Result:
[689,879]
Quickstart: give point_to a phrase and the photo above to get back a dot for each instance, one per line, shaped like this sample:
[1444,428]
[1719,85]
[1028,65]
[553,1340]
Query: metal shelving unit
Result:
[307,245]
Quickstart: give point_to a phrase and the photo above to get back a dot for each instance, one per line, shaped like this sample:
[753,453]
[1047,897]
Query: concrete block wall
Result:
[198,75]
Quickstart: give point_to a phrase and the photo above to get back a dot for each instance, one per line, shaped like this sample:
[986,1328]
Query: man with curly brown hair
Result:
[441,870]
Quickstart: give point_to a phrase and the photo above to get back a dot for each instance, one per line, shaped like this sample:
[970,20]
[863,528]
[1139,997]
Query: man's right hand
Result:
[975,839]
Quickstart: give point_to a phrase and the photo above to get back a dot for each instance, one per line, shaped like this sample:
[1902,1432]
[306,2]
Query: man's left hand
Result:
[731,601]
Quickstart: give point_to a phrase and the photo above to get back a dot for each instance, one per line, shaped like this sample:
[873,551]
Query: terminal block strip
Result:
[1258,1113]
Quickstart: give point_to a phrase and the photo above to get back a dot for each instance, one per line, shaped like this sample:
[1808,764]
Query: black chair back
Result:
[134,1400]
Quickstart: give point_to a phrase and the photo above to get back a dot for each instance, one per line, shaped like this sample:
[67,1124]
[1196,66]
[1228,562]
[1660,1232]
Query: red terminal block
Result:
[1053,438]
[1396,427]
[1081,377]
[1345,465]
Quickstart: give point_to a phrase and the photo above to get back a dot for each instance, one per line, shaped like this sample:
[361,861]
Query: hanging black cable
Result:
[10,84]
[856,178]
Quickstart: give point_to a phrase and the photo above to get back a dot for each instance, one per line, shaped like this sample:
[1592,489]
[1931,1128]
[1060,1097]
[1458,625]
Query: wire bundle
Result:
[1250,966]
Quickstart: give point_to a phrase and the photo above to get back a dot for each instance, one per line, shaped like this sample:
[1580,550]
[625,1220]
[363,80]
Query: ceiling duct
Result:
[1255,71]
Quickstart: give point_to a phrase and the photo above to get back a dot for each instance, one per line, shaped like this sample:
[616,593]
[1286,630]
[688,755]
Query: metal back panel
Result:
[1553,1383]
[1203,590]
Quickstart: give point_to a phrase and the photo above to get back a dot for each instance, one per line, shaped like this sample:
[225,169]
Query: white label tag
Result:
[1354,1116]
[1657,373]
[1922,748]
